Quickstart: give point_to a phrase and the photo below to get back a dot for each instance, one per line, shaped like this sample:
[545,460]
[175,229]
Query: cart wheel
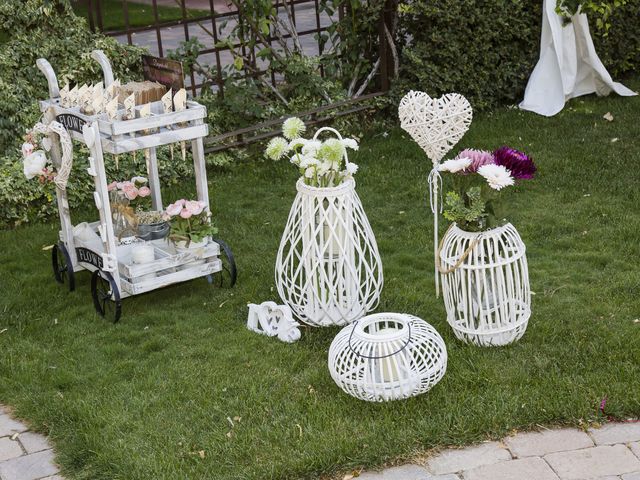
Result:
[62,266]
[105,294]
[227,276]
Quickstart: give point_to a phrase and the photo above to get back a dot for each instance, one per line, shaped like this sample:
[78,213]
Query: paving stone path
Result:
[24,455]
[608,453]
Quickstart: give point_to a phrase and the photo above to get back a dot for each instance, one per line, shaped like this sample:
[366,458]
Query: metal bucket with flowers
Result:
[328,268]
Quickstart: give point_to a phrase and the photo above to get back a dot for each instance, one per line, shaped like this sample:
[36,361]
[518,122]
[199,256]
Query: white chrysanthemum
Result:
[350,143]
[293,128]
[276,148]
[351,168]
[308,161]
[324,167]
[311,147]
[456,165]
[297,143]
[497,176]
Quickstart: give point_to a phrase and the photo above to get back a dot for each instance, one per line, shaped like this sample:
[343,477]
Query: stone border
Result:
[24,455]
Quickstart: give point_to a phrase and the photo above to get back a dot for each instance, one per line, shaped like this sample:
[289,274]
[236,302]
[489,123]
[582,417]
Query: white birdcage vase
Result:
[485,284]
[387,356]
[328,269]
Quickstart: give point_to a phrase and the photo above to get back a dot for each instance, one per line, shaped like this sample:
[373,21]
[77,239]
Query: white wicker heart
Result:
[387,356]
[328,268]
[485,282]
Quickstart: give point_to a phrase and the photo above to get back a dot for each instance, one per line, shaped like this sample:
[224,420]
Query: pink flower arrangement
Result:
[190,220]
[184,208]
[131,189]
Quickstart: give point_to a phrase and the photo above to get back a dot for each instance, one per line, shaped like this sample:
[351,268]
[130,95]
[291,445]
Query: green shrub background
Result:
[486,50]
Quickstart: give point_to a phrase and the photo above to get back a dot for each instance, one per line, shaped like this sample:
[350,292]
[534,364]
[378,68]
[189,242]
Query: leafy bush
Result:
[49,29]
[44,28]
[23,200]
[487,50]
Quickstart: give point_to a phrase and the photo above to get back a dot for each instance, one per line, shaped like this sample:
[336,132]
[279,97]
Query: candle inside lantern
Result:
[143,254]
[388,365]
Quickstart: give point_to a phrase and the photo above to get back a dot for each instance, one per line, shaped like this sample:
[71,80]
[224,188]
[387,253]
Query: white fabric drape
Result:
[568,67]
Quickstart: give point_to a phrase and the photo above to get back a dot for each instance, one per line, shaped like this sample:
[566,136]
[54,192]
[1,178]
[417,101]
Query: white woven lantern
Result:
[328,268]
[485,282]
[387,356]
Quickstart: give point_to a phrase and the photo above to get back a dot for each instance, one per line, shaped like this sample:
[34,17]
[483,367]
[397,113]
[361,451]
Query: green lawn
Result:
[140,15]
[140,399]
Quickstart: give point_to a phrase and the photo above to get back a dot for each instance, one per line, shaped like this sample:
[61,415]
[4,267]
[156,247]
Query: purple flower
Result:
[518,163]
[478,158]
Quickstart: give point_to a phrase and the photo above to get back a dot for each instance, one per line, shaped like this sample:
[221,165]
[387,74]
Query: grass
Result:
[141,399]
[140,14]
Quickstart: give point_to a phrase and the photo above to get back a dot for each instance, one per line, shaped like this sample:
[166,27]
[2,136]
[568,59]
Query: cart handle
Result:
[101,58]
[45,67]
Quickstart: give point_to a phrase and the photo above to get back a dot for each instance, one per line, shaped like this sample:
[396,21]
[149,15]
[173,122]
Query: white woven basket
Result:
[485,282]
[387,356]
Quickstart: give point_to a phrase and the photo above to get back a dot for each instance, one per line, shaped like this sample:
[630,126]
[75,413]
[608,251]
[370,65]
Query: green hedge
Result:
[486,50]
[49,29]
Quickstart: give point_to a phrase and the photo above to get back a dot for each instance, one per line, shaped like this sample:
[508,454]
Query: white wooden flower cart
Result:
[114,274]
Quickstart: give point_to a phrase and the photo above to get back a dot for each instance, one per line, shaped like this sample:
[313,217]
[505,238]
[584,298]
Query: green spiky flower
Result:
[277,148]
[293,128]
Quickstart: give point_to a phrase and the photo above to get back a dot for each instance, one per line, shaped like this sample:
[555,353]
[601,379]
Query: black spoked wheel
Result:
[62,266]
[227,276]
[106,297]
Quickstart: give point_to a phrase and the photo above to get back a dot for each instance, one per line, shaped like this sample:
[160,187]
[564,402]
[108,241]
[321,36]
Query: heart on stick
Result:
[436,124]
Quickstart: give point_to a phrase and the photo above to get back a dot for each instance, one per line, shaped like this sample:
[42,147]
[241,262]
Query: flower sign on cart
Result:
[328,269]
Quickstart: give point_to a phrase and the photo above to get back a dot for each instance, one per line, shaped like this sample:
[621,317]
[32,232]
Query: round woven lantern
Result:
[328,269]
[387,356]
[485,282]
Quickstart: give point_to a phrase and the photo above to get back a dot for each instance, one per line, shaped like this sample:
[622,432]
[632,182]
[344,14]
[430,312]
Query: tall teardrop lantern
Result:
[485,279]
[328,268]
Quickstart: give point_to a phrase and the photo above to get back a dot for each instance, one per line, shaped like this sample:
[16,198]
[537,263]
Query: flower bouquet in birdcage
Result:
[328,269]
[482,259]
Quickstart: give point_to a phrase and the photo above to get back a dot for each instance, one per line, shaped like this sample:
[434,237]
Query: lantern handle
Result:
[337,134]
[378,357]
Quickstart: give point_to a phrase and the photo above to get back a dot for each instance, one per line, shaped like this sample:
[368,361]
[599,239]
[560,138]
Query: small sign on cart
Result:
[89,256]
[71,122]
[164,71]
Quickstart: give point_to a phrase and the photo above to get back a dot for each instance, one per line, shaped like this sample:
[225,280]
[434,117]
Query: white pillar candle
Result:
[143,254]
[389,365]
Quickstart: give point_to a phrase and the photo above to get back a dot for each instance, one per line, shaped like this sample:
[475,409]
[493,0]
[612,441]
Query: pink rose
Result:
[130,191]
[112,186]
[144,191]
[181,202]
[185,213]
[174,209]
[27,149]
[194,207]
